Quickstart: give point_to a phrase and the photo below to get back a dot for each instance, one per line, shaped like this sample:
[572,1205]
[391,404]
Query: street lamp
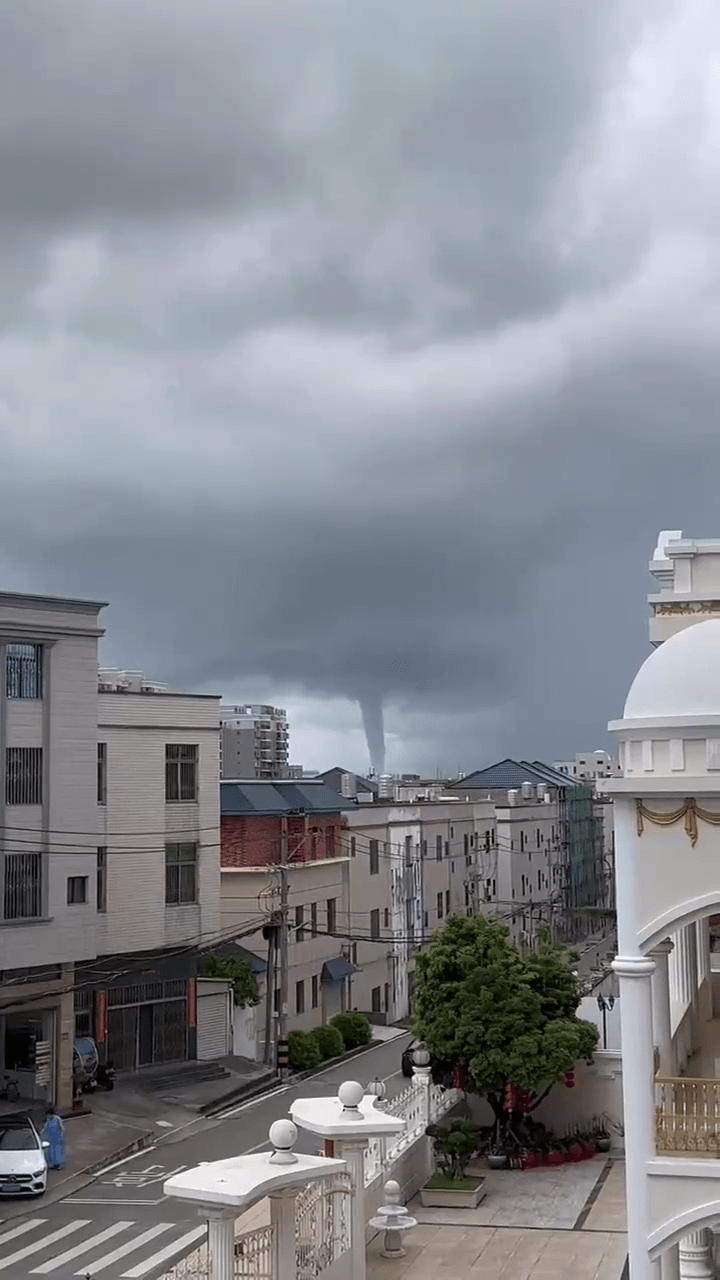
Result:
[421,1057]
[605,1003]
[376,1089]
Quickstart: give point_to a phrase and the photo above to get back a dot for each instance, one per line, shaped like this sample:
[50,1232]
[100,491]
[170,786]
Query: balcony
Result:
[687,1117]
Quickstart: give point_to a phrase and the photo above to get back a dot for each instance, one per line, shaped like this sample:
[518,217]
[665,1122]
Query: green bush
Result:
[354,1029]
[329,1042]
[303,1051]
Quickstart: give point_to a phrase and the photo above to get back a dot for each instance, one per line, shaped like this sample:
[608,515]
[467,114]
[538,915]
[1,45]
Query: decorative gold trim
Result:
[690,811]
[685,607]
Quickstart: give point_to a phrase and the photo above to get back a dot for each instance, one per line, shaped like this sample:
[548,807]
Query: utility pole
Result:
[282,1043]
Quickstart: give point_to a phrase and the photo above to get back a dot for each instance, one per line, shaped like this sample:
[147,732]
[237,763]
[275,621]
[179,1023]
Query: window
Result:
[447,848]
[77,889]
[352,846]
[300,996]
[375,998]
[387,997]
[102,773]
[438,848]
[466,843]
[409,912]
[424,848]
[331,919]
[408,851]
[539,880]
[353,953]
[181,764]
[23,775]
[24,671]
[452,833]
[101,887]
[440,906]
[313,921]
[375,924]
[374,859]
[314,991]
[180,874]
[22,890]
[299,922]
[522,841]
[426,919]
[386,917]
[537,836]
[447,902]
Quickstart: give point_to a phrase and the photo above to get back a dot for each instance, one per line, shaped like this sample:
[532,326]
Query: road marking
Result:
[20,1231]
[126,1159]
[164,1255]
[71,1254]
[111,1202]
[43,1244]
[245,1106]
[108,1259]
[142,1177]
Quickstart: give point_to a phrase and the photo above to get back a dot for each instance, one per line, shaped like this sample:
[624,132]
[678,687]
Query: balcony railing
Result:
[687,1117]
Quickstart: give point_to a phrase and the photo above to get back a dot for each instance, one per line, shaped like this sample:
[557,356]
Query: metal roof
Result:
[337,969]
[240,798]
[506,775]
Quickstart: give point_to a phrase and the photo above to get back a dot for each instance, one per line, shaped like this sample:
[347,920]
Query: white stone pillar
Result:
[661,1006]
[696,1256]
[354,1155]
[635,975]
[670,1264]
[221,1246]
[282,1219]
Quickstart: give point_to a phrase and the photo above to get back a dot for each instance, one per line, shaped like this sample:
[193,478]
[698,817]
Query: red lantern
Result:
[570,1080]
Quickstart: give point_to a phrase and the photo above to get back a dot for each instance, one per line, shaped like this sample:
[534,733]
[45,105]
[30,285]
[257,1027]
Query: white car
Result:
[23,1167]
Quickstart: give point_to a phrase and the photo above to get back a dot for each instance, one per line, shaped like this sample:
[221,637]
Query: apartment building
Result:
[307,821]
[156,891]
[589,766]
[255,742]
[48,830]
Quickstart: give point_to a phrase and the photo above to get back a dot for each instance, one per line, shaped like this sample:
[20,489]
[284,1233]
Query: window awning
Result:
[336,970]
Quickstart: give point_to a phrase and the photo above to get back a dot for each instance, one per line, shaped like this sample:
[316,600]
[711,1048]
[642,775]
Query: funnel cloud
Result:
[374,726]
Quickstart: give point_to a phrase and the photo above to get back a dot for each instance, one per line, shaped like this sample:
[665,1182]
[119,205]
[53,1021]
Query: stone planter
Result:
[602,1144]
[439,1198]
[497,1162]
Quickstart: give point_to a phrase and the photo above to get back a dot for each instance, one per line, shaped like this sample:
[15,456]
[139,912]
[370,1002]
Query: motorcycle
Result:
[105,1076]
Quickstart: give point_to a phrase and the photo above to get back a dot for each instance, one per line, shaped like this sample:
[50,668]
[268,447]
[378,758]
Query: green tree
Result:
[235,971]
[505,1018]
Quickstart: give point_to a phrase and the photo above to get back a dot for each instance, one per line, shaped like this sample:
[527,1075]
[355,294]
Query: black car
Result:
[406,1062]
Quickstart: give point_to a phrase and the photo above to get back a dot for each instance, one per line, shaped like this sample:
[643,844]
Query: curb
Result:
[241,1094]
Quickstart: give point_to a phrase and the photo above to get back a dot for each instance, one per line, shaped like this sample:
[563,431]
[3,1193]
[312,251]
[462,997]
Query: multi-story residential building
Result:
[588,766]
[255,742]
[48,832]
[156,891]
[305,820]
[688,571]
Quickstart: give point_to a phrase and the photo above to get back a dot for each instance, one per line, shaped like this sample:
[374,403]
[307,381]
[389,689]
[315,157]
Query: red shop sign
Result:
[101,1016]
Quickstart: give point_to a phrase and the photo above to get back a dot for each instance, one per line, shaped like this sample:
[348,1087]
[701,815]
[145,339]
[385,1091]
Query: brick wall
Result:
[254,840]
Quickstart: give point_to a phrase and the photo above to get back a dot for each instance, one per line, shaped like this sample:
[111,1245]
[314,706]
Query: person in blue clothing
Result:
[54,1134]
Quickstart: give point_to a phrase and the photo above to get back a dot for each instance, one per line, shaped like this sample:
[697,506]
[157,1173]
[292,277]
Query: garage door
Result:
[213,1032]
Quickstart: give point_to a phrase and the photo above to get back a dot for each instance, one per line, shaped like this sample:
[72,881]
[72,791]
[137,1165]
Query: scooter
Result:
[105,1076]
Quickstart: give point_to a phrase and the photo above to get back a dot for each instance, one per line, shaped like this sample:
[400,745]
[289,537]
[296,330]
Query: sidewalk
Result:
[564,1224]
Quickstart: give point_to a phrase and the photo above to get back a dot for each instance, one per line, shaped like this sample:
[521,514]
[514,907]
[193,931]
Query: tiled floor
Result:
[563,1224]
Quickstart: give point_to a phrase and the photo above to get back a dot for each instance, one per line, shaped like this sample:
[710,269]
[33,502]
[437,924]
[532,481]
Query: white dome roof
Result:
[680,678]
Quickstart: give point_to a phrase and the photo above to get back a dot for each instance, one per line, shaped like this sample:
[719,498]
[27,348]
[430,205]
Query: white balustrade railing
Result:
[322,1225]
[374,1161]
[254,1255]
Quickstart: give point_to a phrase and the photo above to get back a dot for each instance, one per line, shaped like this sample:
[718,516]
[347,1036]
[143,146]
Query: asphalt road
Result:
[121,1227]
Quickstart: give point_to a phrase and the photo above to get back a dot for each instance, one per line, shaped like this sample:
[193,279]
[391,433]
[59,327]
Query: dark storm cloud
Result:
[348,347]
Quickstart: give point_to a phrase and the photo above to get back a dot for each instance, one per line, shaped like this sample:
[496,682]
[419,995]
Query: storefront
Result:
[143,1014]
[27,1053]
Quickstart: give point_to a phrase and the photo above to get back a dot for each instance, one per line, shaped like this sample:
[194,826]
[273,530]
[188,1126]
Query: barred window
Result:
[181,762]
[375,923]
[101,888]
[180,874]
[22,890]
[77,889]
[23,775]
[374,858]
[102,773]
[24,671]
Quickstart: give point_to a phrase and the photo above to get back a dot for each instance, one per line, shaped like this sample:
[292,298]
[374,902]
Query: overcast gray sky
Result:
[361,350]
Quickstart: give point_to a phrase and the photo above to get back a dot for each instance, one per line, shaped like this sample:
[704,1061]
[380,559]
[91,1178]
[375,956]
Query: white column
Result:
[422,1079]
[221,1246]
[661,1006]
[696,1260]
[282,1218]
[670,1264]
[354,1154]
[635,975]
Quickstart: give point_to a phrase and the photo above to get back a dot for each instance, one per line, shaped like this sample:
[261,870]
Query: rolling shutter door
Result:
[212,1024]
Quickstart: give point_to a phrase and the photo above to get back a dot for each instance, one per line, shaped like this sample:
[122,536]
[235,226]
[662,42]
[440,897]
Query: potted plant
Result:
[601,1136]
[451,1186]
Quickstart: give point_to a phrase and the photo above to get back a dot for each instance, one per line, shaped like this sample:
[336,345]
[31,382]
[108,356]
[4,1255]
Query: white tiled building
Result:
[48,821]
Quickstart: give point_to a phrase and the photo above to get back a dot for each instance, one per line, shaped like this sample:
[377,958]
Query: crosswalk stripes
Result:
[29,1244]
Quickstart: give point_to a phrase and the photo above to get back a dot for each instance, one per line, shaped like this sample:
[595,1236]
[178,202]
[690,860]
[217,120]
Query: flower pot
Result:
[440,1198]
[497,1161]
[602,1144]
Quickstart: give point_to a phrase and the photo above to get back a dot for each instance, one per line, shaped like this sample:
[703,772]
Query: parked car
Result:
[23,1167]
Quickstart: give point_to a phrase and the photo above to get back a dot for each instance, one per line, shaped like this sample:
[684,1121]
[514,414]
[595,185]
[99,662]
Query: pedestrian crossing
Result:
[86,1248]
